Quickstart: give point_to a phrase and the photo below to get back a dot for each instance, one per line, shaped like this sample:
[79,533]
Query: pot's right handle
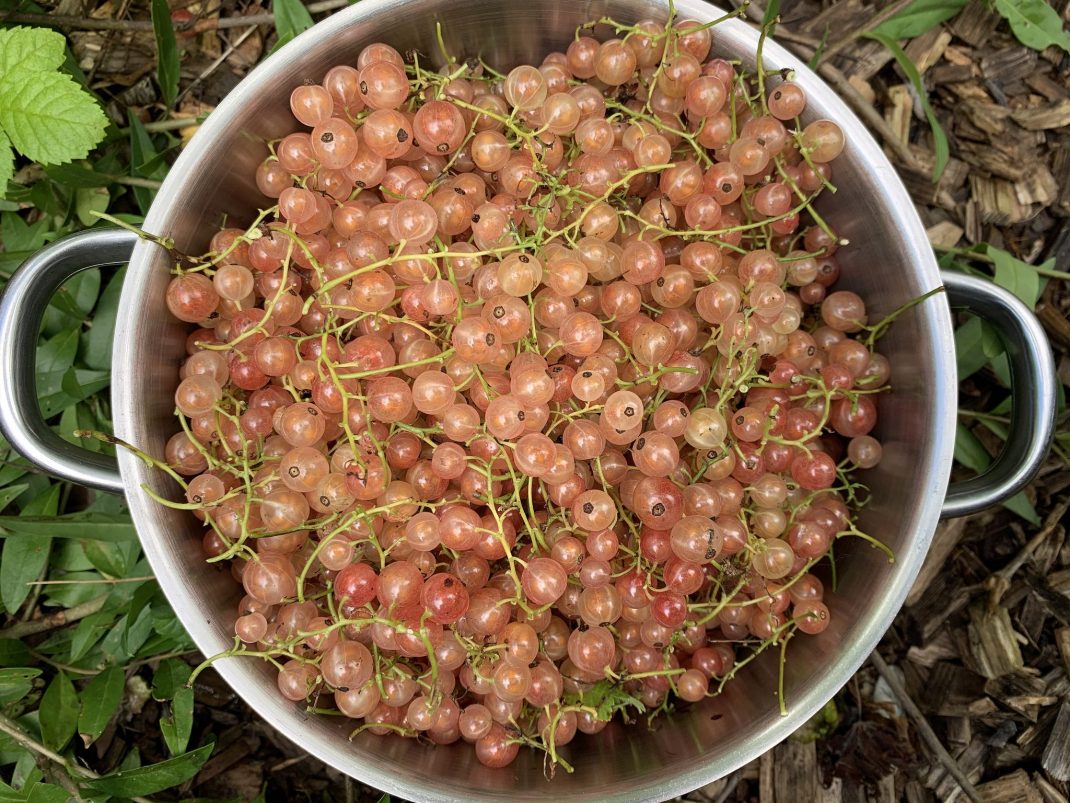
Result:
[21,309]
[1032,394]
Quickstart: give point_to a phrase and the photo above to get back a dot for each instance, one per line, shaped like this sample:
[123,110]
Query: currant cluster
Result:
[530,399]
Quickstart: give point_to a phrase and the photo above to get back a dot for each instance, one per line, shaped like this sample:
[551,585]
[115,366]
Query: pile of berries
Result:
[530,399]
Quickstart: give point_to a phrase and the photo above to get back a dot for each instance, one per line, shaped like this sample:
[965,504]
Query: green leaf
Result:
[78,176]
[98,340]
[1020,504]
[31,49]
[10,493]
[970,451]
[291,18]
[772,10]
[88,200]
[940,145]
[14,653]
[607,699]
[58,712]
[96,526]
[25,557]
[107,557]
[48,117]
[1035,23]
[47,793]
[16,683]
[142,152]
[153,778]
[170,676]
[919,17]
[976,342]
[21,236]
[54,357]
[89,631]
[7,162]
[166,51]
[1015,275]
[100,700]
[82,289]
[177,727]
[23,560]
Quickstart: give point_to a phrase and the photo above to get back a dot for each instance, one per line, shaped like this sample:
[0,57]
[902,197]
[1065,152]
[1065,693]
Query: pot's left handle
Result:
[21,309]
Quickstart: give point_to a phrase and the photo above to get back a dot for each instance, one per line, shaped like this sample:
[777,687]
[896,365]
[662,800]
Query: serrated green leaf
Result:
[976,342]
[291,18]
[96,526]
[100,700]
[58,712]
[153,778]
[48,117]
[15,683]
[166,51]
[1015,275]
[177,727]
[1035,23]
[7,162]
[98,340]
[607,699]
[31,49]
[919,17]
[941,148]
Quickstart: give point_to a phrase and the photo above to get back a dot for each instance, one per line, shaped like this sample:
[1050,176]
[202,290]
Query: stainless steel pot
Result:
[889,261]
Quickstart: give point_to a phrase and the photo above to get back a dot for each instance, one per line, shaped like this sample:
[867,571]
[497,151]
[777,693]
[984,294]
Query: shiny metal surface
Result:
[1032,387]
[21,311]
[889,261]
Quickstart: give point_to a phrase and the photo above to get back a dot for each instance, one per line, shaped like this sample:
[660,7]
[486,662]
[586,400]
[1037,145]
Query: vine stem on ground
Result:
[57,619]
[925,730]
[11,728]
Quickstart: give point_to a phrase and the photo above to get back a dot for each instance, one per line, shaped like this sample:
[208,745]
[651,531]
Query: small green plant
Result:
[44,114]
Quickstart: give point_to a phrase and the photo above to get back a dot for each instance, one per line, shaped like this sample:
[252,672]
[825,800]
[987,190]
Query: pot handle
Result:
[21,309]
[1032,371]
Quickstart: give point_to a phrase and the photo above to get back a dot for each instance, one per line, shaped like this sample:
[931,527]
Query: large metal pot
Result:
[888,261]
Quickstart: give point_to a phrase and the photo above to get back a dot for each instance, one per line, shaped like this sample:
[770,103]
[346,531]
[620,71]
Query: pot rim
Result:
[348,759]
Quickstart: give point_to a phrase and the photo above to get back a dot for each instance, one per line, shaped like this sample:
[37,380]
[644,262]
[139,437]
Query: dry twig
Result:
[882,16]
[925,730]
[998,583]
[55,619]
[12,729]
